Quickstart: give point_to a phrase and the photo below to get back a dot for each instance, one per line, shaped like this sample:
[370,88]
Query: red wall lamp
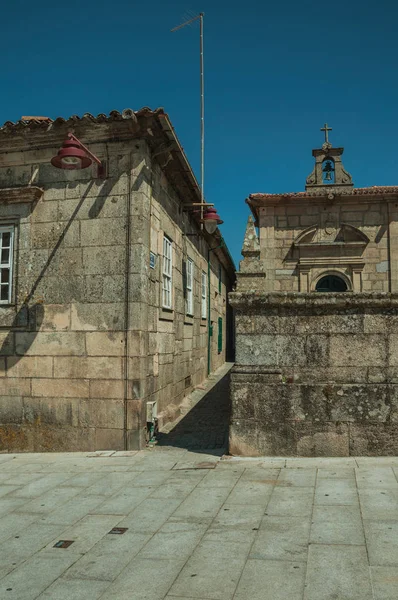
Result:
[211,220]
[75,155]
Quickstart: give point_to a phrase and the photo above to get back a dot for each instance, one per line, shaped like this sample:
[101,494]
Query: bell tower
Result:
[328,171]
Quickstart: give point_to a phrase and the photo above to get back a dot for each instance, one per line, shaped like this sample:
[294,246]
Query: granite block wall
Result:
[83,343]
[315,374]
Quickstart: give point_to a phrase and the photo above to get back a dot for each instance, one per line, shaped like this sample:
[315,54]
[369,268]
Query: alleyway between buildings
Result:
[196,526]
[205,425]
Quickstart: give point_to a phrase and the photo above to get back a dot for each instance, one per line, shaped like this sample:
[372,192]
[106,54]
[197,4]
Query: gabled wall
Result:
[291,266]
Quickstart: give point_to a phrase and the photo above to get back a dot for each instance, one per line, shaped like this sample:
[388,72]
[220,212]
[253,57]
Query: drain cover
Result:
[63,544]
[118,530]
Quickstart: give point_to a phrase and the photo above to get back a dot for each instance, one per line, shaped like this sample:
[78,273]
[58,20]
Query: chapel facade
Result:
[316,318]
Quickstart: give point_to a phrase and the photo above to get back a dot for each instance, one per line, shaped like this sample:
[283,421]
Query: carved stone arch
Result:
[319,274]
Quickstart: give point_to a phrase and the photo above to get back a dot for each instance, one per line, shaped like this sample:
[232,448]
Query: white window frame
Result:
[204,295]
[189,299]
[7,264]
[167,278]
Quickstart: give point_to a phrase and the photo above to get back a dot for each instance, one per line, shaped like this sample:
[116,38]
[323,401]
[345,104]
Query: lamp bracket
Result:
[102,170]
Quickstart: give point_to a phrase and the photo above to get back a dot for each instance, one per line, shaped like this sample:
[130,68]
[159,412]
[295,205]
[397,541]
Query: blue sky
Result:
[274,73]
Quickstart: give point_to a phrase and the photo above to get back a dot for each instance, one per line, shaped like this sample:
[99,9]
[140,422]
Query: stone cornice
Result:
[300,301]
[20,194]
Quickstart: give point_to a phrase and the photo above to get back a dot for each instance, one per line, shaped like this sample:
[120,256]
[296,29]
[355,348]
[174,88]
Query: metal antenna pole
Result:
[202,124]
[202,113]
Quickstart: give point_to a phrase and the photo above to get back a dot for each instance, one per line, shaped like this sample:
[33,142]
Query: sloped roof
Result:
[375,189]
[45,122]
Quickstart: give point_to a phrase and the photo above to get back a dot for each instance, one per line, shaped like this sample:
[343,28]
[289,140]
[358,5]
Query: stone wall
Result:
[83,345]
[62,339]
[315,374]
[177,343]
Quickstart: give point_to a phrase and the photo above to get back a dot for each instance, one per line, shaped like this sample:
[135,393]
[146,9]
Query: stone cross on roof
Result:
[326,129]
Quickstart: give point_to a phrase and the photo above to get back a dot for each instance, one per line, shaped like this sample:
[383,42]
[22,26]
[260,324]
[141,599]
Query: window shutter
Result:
[184,278]
[219,335]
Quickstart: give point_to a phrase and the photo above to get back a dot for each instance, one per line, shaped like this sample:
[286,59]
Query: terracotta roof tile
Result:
[43,122]
[375,189]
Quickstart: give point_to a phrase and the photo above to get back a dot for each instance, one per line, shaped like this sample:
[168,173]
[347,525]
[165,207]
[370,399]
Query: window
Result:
[219,335]
[189,301]
[219,277]
[204,295]
[331,283]
[167,273]
[6,251]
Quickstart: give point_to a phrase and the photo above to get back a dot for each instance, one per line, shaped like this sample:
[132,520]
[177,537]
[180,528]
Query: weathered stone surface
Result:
[97,316]
[29,366]
[374,440]
[105,343]
[336,390]
[93,367]
[101,388]
[74,344]
[61,388]
[103,232]
[349,350]
[56,317]
[63,343]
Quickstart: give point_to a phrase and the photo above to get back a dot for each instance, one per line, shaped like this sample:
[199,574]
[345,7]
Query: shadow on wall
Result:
[205,428]
[27,319]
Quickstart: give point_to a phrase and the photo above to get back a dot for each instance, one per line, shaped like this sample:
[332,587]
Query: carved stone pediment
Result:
[331,234]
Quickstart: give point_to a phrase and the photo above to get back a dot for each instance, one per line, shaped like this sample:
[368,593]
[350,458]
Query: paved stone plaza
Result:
[198,526]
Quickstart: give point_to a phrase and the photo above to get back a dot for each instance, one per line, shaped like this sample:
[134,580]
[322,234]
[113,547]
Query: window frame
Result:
[189,287]
[204,295]
[9,265]
[167,273]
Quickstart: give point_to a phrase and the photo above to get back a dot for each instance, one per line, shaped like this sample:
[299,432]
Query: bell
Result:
[328,176]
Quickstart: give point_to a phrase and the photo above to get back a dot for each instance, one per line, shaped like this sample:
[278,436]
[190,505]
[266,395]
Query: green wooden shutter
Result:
[219,335]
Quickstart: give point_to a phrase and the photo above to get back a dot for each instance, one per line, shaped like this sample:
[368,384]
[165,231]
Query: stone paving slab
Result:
[79,589]
[337,525]
[108,557]
[382,542]
[336,491]
[282,538]
[337,572]
[271,580]
[379,503]
[385,583]
[272,528]
[213,571]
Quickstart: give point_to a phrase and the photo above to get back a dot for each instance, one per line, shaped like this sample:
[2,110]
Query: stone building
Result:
[317,319]
[104,288]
